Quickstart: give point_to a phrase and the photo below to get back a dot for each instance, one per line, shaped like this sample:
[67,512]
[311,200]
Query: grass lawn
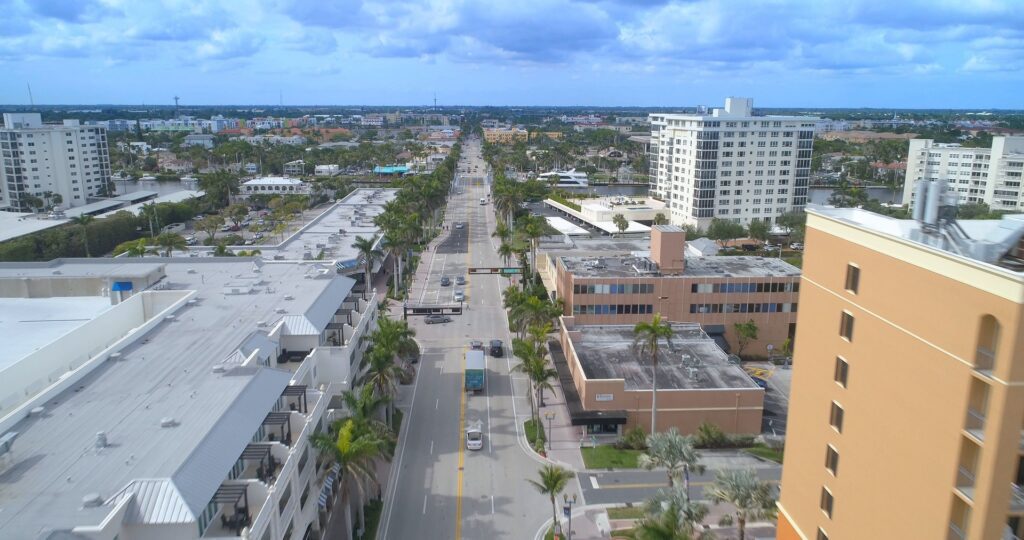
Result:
[373,511]
[763,451]
[626,512]
[609,457]
[795,260]
[532,434]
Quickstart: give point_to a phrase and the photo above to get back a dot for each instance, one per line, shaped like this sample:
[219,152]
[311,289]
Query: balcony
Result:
[975,424]
[1016,499]
[984,361]
[955,533]
[965,483]
[235,500]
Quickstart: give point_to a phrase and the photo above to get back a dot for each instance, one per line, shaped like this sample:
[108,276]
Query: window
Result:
[826,502]
[831,460]
[852,278]
[836,417]
[842,369]
[846,326]
[821,535]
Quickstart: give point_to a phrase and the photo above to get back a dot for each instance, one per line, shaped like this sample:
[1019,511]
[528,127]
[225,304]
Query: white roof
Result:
[565,226]
[13,224]
[274,181]
[608,226]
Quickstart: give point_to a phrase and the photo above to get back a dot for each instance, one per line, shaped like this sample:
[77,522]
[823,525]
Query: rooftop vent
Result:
[92,500]
[261,324]
[219,368]
[168,422]
[37,411]
[289,297]
[191,270]
[101,439]
[281,310]
[170,318]
[115,356]
[58,273]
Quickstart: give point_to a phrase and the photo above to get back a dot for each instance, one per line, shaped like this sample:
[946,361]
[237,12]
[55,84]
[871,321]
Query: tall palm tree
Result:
[171,242]
[502,232]
[648,336]
[551,481]
[532,228]
[506,251]
[137,248]
[752,497]
[675,500]
[369,254]
[382,375]
[672,451]
[84,221]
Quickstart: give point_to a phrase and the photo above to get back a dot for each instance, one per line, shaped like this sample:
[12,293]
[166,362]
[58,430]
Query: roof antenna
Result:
[31,100]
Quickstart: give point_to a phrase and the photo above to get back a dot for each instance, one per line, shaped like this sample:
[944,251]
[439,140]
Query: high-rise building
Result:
[730,164]
[977,175]
[43,160]
[906,414]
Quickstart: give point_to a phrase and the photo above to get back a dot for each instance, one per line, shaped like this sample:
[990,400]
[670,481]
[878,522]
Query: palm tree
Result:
[83,221]
[532,228]
[506,251]
[620,222]
[752,497]
[648,337]
[369,253]
[660,219]
[382,375]
[531,311]
[672,451]
[677,500]
[502,232]
[552,481]
[171,242]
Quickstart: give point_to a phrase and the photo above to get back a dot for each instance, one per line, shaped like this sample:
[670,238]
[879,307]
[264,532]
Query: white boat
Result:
[569,178]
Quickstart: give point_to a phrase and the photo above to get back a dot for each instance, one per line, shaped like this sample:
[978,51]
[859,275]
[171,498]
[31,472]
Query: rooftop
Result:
[273,181]
[639,265]
[690,360]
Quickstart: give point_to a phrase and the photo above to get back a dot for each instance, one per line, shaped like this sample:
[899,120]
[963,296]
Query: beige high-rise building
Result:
[907,402]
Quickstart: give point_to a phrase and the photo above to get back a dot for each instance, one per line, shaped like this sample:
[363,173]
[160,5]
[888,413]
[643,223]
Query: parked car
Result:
[797,246]
[459,296]
[460,280]
[749,247]
[476,344]
[435,319]
[445,281]
[459,224]
[225,228]
[497,348]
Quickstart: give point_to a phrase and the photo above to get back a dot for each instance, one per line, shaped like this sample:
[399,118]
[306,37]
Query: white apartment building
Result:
[978,175]
[274,185]
[66,159]
[730,164]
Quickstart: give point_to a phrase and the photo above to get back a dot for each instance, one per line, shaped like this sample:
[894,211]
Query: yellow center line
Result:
[462,404]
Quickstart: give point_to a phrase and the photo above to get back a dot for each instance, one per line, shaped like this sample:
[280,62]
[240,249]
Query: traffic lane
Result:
[639,485]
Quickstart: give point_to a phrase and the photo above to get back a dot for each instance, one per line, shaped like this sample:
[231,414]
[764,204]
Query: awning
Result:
[578,415]
[121,286]
[325,492]
[720,341]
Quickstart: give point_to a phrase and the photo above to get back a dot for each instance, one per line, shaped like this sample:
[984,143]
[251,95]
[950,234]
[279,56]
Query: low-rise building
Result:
[198,139]
[274,185]
[327,170]
[716,292]
[295,168]
[506,135]
[607,381]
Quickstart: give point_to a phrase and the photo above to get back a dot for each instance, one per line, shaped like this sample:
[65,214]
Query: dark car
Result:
[497,348]
[445,281]
[434,319]
[460,280]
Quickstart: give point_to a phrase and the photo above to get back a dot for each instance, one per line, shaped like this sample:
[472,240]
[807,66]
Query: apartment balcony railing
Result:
[975,424]
[965,482]
[955,533]
[984,360]
[1016,498]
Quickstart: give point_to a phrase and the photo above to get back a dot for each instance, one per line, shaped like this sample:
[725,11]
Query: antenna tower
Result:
[176,98]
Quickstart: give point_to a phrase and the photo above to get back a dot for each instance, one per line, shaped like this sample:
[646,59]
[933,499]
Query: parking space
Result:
[776,398]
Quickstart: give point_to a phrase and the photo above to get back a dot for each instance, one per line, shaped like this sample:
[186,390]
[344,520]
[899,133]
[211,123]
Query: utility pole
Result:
[31,100]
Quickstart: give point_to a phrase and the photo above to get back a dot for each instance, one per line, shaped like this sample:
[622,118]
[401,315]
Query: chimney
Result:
[668,245]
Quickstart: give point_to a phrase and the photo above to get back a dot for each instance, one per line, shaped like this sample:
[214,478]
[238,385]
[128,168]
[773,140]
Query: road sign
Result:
[565,510]
[505,271]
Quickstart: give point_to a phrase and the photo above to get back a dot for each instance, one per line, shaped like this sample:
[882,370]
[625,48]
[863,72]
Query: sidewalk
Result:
[564,442]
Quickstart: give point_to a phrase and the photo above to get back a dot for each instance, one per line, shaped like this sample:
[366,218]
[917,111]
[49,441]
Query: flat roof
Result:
[565,226]
[15,224]
[635,265]
[177,196]
[165,372]
[27,324]
[689,360]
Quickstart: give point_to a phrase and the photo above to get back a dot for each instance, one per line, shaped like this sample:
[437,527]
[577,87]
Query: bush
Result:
[633,439]
[710,436]
[534,435]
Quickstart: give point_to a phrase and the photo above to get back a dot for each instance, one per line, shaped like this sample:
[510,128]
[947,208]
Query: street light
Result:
[550,417]
[567,510]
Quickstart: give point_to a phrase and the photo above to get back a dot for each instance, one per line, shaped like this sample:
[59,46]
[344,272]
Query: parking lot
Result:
[776,398]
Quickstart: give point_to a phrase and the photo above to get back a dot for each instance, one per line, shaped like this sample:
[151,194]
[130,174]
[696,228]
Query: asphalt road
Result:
[439,489]
[639,485]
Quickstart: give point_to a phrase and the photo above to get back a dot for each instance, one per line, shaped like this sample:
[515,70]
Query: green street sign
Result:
[509,271]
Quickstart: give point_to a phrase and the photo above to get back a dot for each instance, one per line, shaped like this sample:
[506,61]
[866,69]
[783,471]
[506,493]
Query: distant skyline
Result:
[655,53]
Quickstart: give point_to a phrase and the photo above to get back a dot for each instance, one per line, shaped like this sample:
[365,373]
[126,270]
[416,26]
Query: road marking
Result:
[436,403]
[432,449]
[593,479]
[424,504]
[462,454]
[492,504]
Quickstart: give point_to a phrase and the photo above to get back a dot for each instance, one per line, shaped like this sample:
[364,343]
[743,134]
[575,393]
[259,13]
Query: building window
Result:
[821,535]
[835,417]
[846,326]
[831,460]
[826,502]
[842,370]
[852,278]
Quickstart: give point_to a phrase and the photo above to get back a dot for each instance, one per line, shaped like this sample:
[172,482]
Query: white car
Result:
[459,296]
[474,437]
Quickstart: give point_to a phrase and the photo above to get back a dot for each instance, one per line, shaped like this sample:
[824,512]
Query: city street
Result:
[636,486]
[439,489]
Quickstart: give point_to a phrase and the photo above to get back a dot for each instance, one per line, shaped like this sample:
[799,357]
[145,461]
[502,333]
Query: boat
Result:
[569,178]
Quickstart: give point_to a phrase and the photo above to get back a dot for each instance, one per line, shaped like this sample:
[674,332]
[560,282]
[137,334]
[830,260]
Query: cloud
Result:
[228,44]
[72,10]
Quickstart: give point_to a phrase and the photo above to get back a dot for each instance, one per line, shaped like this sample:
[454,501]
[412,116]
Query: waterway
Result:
[161,188]
[816,195]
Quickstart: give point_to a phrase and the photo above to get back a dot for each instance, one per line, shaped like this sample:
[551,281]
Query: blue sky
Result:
[849,53]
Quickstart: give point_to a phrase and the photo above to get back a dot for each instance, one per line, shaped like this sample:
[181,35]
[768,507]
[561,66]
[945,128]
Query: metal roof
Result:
[155,500]
[314,321]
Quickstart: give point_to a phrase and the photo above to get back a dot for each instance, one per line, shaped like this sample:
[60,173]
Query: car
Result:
[483,202]
[460,280]
[250,242]
[760,382]
[445,281]
[749,247]
[796,245]
[225,228]
[258,235]
[769,246]
[476,344]
[436,319]
[459,296]
[474,437]
[497,348]
[459,224]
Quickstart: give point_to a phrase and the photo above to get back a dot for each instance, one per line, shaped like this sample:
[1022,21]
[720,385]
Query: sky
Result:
[813,53]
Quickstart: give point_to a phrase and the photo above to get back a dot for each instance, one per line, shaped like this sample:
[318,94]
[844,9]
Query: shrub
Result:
[710,436]
[633,439]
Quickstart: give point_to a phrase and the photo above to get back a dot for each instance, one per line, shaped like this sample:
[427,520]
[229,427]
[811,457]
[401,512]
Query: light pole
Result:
[550,416]
[567,509]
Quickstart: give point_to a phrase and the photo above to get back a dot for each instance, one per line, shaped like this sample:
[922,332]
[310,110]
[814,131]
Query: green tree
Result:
[219,187]
[382,374]
[237,213]
[210,225]
[758,230]
[660,219]
[506,251]
[134,248]
[83,222]
[620,222]
[751,497]
[745,333]
[171,242]
[369,253]
[794,224]
[551,481]
[647,337]
[671,515]
[724,231]
[673,451]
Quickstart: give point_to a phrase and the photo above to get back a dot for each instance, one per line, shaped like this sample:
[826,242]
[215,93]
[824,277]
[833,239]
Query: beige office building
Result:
[907,402]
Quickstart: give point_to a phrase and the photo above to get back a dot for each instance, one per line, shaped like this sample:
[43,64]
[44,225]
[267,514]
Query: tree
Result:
[370,254]
[505,250]
[724,231]
[210,225]
[237,213]
[710,435]
[219,187]
[382,375]
[672,451]
[171,242]
[134,248]
[794,224]
[551,482]
[758,230]
[752,498]
[648,336]
[660,219]
[620,222]
[671,515]
[83,221]
[745,333]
